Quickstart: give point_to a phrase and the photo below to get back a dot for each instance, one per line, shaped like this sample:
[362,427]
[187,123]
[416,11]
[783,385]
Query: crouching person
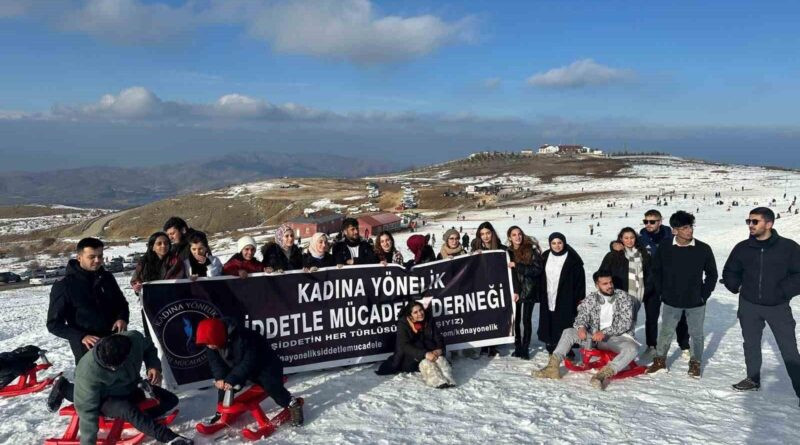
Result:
[107,383]
[605,317]
[237,355]
[419,347]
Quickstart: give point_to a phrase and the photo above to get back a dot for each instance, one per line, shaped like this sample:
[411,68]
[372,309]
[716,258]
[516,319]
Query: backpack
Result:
[17,362]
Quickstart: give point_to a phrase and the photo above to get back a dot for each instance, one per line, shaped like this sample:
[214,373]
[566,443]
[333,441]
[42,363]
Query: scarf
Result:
[635,273]
[447,252]
[312,249]
[416,326]
[197,268]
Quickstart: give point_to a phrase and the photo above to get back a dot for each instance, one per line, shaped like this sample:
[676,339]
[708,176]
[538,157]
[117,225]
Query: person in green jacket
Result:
[107,383]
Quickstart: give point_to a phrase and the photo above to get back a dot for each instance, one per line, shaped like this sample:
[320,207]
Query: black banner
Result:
[333,317]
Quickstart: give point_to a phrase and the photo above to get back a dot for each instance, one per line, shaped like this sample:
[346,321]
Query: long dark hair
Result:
[524,254]
[638,244]
[477,243]
[151,263]
[384,256]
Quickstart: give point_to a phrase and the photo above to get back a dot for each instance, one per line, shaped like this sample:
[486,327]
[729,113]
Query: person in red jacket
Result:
[243,263]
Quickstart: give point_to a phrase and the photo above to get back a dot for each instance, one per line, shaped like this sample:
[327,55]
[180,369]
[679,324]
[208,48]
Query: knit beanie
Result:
[245,241]
[212,331]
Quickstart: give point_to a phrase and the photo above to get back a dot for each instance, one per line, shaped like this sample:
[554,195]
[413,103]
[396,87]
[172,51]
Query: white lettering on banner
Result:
[286,325]
[325,290]
[364,315]
[390,285]
[469,302]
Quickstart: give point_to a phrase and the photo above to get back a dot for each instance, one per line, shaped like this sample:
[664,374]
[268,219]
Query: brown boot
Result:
[551,371]
[694,368]
[659,364]
[602,378]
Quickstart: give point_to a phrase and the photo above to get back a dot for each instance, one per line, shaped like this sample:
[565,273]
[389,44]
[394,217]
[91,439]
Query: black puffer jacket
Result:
[410,347]
[275,258]
[764,272]
[85,303]
[245,357]
[527,277]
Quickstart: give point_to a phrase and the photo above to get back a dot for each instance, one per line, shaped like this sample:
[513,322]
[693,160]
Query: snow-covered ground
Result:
[496,400]
[29,224]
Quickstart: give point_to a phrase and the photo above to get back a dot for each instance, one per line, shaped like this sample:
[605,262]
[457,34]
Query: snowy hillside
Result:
[496,400]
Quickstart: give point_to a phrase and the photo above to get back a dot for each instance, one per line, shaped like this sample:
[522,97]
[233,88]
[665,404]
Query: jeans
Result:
[752,318]
[670,317]
[625,347]
[126,408]
[652,309]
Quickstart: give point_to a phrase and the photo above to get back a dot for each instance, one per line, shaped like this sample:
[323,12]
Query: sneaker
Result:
[180,440]
[747,384]
[686,354]
[659,364]
[296,410]
[694,368]
[56,396]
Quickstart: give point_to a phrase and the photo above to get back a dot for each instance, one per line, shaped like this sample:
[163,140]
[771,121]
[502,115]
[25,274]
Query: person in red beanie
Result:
[423,252]
[237,355]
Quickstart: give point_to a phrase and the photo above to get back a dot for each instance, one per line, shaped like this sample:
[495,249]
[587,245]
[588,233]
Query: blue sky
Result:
[402,79]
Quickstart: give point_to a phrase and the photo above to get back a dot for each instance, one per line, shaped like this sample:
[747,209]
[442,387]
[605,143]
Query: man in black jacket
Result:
[178,232]
[684,276]
[353,249]
[237,355]
[765,271]
[88,303]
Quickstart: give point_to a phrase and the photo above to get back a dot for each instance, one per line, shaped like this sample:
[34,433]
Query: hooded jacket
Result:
[94,382]
[85,303]
[245,356]
[764,272]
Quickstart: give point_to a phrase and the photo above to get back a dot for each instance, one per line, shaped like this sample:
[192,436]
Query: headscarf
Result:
[279,232]
[312,246]
[415,244]
[448,252]
[558,235]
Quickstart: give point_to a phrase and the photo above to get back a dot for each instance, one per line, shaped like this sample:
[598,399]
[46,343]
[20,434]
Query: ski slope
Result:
[496,400]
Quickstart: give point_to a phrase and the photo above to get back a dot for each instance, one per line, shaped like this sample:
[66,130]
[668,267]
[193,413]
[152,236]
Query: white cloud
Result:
[139,103]
[584,72]
[351,30]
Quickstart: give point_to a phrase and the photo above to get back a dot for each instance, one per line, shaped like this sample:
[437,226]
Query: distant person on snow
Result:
[451,247]
[684,276]
[201,263]
[237,355]
[386,251]
[605,319]
[765,271]
[107,383]
[317,255]
[282,254]
[353,249]
[87,304]
[243,263]
[178,232]
[652,235]
[419,347]
[465,242]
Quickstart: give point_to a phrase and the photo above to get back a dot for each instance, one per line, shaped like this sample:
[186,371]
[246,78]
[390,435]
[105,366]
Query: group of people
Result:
[665,269]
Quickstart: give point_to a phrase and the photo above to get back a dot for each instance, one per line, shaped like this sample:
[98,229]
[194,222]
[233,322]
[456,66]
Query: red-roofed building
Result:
[325,221]
[373,224]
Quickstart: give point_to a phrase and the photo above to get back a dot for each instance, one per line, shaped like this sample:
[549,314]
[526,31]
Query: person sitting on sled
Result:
[605,317]
[107,383]
[419,347]
[237,355]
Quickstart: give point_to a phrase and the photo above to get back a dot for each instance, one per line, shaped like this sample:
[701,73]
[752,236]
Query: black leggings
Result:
[523,320]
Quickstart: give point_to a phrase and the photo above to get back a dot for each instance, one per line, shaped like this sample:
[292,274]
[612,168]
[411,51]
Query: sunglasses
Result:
[650,221]
[752,222]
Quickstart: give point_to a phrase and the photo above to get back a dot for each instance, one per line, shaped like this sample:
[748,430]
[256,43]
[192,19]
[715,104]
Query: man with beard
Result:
[605,318]
[88,303]
[765,271]
[352,249]
[178,232]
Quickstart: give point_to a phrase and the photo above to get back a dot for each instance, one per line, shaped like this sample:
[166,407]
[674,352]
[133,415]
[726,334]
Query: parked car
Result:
[9,277]
[115,266]
[42,279]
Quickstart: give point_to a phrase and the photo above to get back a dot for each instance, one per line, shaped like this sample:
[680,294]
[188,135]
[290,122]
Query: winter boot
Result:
[659,364]
[56,396]
[694,368]
[602,378]
[747,384]
[296,410]
[551,371]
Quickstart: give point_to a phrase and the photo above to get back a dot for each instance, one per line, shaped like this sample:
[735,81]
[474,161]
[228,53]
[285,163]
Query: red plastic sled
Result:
[601,358]
[119,431]
[28,382]
[248,401]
